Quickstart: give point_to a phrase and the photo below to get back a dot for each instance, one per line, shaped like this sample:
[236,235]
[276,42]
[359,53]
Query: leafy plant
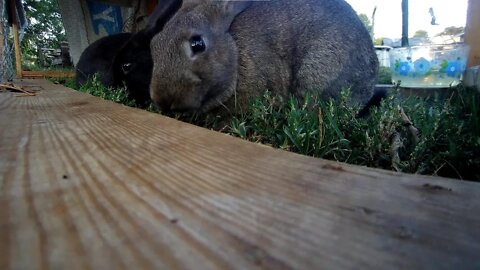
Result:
[449,144]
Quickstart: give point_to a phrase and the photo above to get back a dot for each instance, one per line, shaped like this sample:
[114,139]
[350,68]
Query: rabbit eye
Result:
[197,44]
[127,67]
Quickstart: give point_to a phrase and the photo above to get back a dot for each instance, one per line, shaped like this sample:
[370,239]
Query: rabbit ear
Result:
[229,9]
[164,10]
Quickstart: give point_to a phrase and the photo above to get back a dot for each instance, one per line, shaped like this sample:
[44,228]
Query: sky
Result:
[388,18]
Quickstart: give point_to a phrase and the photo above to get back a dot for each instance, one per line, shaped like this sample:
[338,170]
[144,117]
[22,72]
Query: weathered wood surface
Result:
[89,184]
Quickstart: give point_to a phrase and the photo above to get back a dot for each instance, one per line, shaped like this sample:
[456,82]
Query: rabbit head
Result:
[133,63]
[133,66]
[98,57]
[223,53]
[195,58]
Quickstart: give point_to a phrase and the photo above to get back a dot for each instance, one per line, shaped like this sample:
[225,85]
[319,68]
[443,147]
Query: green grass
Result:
[448,140]
[68,82]
[384,75]
[95,88]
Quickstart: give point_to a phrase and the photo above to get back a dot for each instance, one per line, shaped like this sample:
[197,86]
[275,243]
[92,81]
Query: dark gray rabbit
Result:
[98,57]
[222,53]
[133,63]
[125,59]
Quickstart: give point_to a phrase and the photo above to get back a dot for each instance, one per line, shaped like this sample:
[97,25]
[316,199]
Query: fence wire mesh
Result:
[7,69]
[7,49]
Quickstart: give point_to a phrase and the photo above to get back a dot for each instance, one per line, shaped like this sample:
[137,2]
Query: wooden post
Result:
[18,55]
[372,33]
[405,23]
[472,32]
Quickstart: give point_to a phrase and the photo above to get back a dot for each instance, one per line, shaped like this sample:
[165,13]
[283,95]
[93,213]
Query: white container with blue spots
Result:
[433,66]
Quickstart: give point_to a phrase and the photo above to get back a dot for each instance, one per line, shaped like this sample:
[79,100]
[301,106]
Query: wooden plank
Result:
[87,183]
[48,74]
[472,33]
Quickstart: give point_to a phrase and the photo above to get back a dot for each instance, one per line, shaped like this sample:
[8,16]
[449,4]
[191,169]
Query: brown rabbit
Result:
[222,53]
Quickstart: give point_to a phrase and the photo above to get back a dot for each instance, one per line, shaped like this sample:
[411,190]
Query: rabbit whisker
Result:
[235,98]
[223,105]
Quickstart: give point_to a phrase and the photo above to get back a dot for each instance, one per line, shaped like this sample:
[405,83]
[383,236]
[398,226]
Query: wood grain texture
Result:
[89,184]
[47,74]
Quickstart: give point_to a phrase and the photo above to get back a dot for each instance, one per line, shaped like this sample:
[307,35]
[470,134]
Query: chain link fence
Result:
[7,48]
[7,69]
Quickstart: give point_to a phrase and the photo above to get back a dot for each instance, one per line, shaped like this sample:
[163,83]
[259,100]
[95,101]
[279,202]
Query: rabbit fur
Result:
[285,46]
